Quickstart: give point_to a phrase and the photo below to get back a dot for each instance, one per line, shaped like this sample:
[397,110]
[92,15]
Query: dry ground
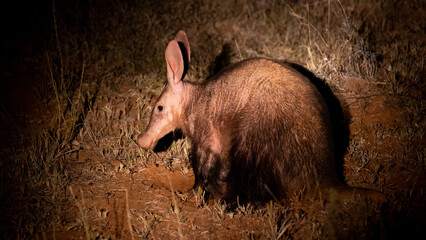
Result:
[79,78]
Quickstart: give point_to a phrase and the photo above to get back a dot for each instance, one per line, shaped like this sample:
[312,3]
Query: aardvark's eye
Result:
[160,108]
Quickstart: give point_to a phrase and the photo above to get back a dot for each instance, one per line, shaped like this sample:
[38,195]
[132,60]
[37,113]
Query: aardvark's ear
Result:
[175,64]
[181,37]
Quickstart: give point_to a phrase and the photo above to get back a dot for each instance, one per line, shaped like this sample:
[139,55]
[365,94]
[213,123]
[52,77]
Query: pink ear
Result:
[181,37]
[175,64]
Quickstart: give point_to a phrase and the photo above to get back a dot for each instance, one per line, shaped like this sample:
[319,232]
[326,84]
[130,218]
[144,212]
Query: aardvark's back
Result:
[273,124]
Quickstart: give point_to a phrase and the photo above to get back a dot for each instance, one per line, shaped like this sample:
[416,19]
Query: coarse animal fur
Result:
[259,129]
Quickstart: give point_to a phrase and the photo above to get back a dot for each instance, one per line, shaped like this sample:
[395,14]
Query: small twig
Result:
[238,48]
[128,214]
[175,207]
[83,216]
[129,224]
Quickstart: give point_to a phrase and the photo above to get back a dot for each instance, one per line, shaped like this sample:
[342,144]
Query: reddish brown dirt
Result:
[151,200]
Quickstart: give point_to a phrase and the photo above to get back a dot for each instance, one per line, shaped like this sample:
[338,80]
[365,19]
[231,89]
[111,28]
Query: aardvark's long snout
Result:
[145,141]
